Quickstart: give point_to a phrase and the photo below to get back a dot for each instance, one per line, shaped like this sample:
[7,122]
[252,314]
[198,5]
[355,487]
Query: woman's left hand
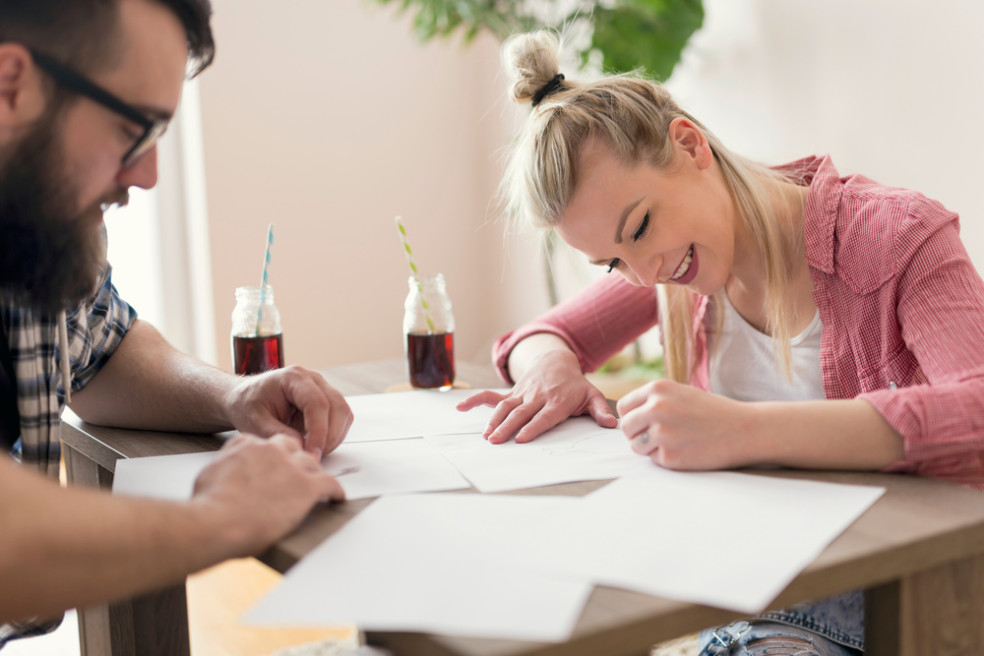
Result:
[682,427]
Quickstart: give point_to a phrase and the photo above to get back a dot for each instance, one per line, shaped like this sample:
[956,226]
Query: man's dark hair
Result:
[79,32]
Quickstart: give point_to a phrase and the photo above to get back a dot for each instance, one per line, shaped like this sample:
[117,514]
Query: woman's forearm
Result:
[527,352]
[834,434]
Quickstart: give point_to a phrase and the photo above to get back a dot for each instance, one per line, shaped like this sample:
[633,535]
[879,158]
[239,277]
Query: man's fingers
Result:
[289,442]
[303,393]
[266,424]
[236,440]
[331,489]
[316,425]
[339,415]
[326,414]
[339,421]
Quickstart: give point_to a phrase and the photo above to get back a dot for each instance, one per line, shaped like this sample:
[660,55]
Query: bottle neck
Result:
[255,295]
[427,284]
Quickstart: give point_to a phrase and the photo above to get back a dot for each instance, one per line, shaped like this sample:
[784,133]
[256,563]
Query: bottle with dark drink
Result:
[429,328]
[257,340]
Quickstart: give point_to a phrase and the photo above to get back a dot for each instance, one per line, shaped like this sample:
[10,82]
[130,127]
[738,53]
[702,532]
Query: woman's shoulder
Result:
[878,228]
[870,214]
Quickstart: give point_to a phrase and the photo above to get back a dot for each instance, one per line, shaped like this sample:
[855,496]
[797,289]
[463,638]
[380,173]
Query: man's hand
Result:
[261,489]
[292,401]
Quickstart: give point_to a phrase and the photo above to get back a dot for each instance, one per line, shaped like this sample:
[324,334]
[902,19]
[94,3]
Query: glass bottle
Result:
[257,339]
[429,328]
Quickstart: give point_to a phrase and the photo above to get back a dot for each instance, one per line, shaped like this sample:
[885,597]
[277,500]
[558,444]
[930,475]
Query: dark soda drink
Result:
[254,355]
[431,360]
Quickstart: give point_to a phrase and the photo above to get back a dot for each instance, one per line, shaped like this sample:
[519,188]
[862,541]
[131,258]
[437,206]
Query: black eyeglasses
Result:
[69,79]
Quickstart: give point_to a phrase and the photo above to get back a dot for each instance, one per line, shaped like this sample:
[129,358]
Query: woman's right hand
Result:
[549,391]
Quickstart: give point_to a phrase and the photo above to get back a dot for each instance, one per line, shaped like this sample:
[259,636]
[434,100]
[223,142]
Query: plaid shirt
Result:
[94,329]
[902,309]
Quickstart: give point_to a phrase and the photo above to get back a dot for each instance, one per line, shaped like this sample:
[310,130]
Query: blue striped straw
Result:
[265,278]
[413,270]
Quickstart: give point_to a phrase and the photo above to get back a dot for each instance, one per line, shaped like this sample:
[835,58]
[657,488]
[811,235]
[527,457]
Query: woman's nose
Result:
[645,272]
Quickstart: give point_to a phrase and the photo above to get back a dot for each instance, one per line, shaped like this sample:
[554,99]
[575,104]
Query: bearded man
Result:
[86,89]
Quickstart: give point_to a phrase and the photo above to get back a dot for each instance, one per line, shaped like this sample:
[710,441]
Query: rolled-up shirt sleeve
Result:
[96,329]
[940,310]
[596,323]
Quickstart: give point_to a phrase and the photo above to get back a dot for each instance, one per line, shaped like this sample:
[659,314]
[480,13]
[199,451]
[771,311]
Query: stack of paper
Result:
[442,563]
[521,567]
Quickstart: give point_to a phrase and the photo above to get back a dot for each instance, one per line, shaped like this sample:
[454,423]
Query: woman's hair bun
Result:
[531,60]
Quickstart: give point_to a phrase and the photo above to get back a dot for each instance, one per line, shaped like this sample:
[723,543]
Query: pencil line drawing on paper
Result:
[588,445]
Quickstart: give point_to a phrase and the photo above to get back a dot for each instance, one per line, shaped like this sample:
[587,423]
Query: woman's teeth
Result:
[685,265]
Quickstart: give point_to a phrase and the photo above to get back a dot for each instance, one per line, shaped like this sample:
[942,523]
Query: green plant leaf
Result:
[630,34]
[442,18]
[647,34]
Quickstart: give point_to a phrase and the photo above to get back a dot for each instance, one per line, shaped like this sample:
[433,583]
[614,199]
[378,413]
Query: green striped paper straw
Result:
[265,278]
[413,271]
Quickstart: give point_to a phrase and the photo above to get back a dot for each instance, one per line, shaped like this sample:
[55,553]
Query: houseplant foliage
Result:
[625,35]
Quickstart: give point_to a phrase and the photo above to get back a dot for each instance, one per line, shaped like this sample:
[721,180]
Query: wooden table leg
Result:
[155,624]
[939,611]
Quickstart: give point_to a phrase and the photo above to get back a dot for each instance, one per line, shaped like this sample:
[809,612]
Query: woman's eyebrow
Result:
[623,219]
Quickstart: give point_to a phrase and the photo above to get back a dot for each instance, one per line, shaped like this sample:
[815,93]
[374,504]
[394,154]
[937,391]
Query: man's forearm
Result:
[74,547]
[148,384]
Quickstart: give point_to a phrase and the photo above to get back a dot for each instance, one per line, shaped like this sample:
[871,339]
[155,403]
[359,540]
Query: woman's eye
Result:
[613,265]
[637,235]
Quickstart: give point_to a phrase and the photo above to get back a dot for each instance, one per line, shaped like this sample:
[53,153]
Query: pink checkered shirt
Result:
[902,310]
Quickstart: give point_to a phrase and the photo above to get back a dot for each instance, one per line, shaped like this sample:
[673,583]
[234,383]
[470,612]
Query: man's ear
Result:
[22,97]
[690,139]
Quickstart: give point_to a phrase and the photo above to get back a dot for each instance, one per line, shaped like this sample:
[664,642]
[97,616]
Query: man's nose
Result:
[142,173]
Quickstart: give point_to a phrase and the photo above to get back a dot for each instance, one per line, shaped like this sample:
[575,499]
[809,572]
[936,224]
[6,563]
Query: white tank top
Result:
[744,367]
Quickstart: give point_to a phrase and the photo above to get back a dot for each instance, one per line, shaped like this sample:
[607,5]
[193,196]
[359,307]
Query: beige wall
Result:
[892,89]
[327,118]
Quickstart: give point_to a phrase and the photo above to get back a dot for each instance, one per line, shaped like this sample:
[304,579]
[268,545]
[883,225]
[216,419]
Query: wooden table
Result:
[918,553]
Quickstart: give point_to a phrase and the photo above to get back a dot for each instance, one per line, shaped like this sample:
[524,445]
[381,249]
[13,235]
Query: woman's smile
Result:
[687,270]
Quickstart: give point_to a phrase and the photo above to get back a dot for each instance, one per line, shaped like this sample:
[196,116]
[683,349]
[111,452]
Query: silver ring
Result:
[643,437]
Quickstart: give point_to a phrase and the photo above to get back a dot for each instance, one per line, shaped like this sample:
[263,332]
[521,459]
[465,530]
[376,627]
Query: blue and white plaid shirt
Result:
[94,330]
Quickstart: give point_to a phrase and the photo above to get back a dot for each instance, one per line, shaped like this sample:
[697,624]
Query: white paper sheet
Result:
[160,477]
[399,415]
[364,470]
[372,469]
[576,450]
[432,563]
[725,539]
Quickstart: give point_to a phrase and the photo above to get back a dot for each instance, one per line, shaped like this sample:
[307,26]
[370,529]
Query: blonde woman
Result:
[809,320]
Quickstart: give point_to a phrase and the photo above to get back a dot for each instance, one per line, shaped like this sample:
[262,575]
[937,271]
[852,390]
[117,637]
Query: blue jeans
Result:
[832,626]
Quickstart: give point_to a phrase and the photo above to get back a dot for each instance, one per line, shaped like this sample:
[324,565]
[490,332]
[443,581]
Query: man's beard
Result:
[52,254]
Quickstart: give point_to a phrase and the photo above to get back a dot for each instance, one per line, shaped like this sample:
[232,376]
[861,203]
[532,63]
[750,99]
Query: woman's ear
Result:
[689,140]
[22,97]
